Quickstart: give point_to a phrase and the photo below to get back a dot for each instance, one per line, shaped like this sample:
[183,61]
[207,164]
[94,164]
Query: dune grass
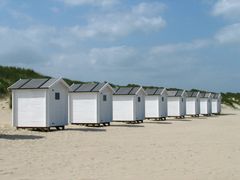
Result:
[9,75]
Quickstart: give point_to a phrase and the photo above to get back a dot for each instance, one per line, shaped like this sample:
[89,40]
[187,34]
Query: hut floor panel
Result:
[44,129]
[177,117]
[207,115]
[193,115]
[135,122]
[93,124]
[130,122]
[157,118]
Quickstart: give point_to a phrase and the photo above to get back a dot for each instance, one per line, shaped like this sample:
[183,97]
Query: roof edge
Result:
[61,80]
[107,85]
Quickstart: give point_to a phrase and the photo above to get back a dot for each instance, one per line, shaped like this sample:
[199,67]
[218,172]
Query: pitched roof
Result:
[205,95]
[215,95]
[192,93]
[91,87]
[175,93]
[33,83]
[154,91]
[126,90]
[218,95]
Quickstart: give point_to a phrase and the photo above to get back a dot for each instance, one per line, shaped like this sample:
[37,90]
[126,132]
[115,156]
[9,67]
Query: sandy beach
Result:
[192,148]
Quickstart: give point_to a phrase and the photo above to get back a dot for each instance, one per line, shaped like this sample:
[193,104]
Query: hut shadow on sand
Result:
[87,129]
[127,125]
[226,114]
[19,137]
[157,122]
[184,120]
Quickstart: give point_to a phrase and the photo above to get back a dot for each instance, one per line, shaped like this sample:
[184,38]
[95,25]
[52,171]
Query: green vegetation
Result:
[197,90]
[150,87]
[70,82]
[173,89]
[231,99]
[9,75]
[129,85]
[133,85]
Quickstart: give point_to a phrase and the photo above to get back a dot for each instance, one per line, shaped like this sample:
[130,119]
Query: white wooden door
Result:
[31,108]
[84,108]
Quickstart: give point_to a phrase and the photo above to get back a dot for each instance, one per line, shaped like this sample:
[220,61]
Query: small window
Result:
[104,97]
[139,99]
[162,99]
[182,99]
[57,96]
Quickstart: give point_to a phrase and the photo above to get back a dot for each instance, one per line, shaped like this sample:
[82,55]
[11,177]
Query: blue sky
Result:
[185,44]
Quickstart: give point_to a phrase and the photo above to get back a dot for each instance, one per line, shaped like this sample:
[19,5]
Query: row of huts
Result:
[45,103]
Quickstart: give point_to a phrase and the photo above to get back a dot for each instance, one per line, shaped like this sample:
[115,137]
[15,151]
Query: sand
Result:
[193,148]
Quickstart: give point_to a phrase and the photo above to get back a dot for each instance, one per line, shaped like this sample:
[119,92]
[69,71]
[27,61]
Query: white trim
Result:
[164,90]
[47,102]
[61,80]
[69,108]
[108,85]
[183,93]
[14,124]
[198,94]
[210,95]
[141,88]
[98,104]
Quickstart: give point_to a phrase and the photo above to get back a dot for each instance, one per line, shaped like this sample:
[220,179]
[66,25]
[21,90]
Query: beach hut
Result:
[129,104]
[176,103]
[205,103]
[90,104]
[40,103]
[156,103]
[193,103]
[216,103]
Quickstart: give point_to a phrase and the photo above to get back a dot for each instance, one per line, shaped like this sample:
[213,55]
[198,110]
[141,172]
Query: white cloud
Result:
[227,8]
[29,41]
[56,52]
[177,47]
[112,56]
[103,3]
[229,34]
[53,51]
[77,53]
[144,17]
[149,8]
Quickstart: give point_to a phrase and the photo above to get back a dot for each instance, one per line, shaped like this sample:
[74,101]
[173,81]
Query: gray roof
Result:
[126,90]
[205,95]
[218,95]
[91,87]
[215,95]
[49,83]
[192,93]
[154,91]
[33,84]
[175,93]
